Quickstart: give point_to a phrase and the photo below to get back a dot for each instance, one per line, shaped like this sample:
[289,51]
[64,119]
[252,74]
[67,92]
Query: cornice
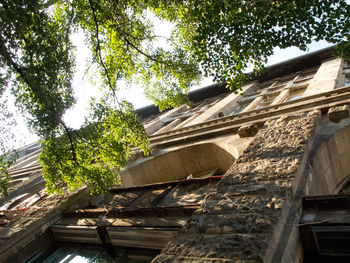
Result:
[230,124]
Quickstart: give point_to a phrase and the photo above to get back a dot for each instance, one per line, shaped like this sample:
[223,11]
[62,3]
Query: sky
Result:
[84,88]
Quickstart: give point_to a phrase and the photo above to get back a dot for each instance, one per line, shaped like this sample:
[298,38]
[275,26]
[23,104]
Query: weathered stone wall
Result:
[241,220]
[25,235]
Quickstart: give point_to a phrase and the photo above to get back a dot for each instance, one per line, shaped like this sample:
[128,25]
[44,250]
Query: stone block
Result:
[281,138]
[237,247]
[247,130]
[3,221]
[336,114]
[221,114]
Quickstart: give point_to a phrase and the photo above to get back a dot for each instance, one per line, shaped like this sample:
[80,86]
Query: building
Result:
[257,177]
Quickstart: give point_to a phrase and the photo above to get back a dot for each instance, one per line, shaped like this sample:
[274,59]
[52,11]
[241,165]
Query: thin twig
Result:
[88,68]
[68,132]
[128,42]
[98,47]
[140,51]
[98,53]
[8,56]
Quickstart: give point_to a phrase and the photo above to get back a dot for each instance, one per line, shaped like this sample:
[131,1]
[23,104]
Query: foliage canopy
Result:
[217,38]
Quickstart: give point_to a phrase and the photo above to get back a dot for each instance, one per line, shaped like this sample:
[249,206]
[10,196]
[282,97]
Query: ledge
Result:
[230,124]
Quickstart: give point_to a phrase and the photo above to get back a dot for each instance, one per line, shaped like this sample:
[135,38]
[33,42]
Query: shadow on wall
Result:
[330,165]
[194,161]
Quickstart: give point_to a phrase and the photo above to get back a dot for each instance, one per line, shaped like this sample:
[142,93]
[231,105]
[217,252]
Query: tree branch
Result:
[128,42]
[140,51]
[98,48]
[98,54]
[69,135]
[7,56]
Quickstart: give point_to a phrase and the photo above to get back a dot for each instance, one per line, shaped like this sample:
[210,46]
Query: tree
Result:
[6,141]
[219,38]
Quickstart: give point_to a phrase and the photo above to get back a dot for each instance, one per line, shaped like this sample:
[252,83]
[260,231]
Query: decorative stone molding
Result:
[336,114]
[231,124]
[247,130]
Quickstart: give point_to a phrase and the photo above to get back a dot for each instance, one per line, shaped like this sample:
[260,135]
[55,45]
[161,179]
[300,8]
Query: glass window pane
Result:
[266,102]
[294,95]
[104,258]
[81,253]
[347,81]
[60,256]
[85,255]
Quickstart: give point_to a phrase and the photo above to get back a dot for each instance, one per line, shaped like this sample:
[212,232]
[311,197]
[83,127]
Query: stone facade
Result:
[236,222]
[226,182]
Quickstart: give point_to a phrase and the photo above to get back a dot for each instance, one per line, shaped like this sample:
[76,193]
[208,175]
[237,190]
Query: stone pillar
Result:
[325,78]
[248,218]
[190,119]
[281,97]
[253,104]
[285,93]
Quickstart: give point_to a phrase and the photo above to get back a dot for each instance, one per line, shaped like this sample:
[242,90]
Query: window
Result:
[77,253]
[295,94]
[266,101]
[181,117]
[271,89]
[325,228]
[347,80]
[238,108]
